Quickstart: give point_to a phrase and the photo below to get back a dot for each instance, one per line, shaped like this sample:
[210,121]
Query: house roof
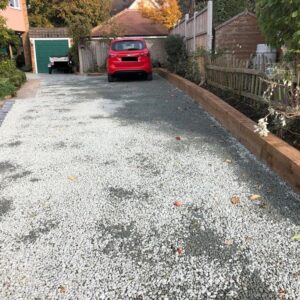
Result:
[243,13]
[40,32]
[130,22]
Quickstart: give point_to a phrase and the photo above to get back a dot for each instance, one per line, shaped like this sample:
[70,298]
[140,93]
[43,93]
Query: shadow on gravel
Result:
[162,105]
[5,206]
[34,234]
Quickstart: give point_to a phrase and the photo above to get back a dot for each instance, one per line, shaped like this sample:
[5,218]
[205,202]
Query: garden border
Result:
[279,155]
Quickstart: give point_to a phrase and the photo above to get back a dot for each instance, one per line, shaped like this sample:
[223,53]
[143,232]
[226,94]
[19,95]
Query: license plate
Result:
[132,58]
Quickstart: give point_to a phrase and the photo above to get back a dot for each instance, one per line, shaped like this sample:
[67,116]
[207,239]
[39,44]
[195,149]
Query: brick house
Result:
[17,19]
[239,34]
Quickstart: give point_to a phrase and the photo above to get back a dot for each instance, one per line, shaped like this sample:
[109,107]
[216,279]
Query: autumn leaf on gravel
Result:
[235,200]
[72,178]
[179,251]
[263,205]
[228,242]
[296,237]
[178,203]
[254,197]
[228,161]
[178,138]
[281,294]
[62,289]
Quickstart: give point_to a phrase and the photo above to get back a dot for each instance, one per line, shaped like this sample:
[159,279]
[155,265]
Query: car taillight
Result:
[146,54]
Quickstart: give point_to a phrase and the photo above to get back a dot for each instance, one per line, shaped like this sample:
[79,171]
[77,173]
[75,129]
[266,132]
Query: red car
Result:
[129,55]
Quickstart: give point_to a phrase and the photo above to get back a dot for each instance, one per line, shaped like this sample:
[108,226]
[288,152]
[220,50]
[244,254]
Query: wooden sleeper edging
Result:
[276,153]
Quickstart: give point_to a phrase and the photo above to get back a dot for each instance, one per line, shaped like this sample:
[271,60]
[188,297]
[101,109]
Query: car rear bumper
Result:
[113,69]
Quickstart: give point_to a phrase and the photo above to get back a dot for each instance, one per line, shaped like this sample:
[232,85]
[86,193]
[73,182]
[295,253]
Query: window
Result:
[128,45]
[14,3]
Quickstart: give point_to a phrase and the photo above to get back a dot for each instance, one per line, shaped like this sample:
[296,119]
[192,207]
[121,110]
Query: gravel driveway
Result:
[89,175]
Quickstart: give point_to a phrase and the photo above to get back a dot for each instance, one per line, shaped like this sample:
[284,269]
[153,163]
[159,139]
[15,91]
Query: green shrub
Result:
[177,54]
[6,88]
[7,68]
[192,71]
[18,78]
[10,78]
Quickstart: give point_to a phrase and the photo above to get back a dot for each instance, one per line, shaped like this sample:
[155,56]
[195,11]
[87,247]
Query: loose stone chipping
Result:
[87,191]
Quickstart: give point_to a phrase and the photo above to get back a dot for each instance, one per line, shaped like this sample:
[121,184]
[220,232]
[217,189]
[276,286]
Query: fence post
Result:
[194,31]
[186,19]
[81,67]
[209,24]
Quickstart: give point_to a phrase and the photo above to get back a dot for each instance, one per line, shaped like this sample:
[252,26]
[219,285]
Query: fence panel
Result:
[194,30]
[93,55]
[230,74]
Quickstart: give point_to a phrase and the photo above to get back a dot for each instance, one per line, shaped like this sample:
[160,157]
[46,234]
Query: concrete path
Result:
[89,175]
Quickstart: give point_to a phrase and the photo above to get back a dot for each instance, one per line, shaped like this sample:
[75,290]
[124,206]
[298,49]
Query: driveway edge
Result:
[276,153]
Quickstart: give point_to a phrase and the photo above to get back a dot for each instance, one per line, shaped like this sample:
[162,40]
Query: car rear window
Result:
[129,45]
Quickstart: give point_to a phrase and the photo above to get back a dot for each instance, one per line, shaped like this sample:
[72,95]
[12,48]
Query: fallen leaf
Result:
[228,242]
[178,138]
[228,161]
[263,205]
[179,251]
[72,178]
[62,289]
[281,294]
[248,238]
[178,203]
[235,200]
[254,197]
[296,237]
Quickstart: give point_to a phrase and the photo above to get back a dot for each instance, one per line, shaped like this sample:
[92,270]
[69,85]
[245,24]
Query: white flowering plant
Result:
[283,97]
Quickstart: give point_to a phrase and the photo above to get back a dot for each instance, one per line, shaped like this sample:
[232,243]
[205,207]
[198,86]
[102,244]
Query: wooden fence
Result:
[248,78]
[196,30]
[230,74]
[92,55]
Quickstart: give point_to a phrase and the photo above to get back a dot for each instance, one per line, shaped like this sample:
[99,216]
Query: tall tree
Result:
[166,12]
[280,22]
[223,10]
[59,13]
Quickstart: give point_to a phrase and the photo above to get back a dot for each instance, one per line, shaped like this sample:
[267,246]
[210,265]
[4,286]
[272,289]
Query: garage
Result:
[45,43]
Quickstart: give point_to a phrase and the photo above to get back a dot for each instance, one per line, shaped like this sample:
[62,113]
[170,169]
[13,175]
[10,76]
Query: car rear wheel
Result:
[149,76]
[110,78]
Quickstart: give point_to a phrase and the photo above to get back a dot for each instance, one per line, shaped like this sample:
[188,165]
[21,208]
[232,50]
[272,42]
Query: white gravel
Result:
[89,173]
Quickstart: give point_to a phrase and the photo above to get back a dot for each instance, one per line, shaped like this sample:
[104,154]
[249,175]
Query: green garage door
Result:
[47,48]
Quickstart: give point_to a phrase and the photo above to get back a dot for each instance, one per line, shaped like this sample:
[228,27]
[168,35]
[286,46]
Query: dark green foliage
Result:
[3,4]
[223,10]
[192,72]
[58,13]
[10,78]
[7,36]
[6,88]
[177,54]
[280,22]
[178,60]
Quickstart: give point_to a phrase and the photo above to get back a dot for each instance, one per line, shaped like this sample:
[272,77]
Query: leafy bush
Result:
[177,54]
[192,71]
[10,78]
[6,88]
